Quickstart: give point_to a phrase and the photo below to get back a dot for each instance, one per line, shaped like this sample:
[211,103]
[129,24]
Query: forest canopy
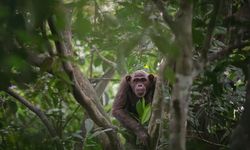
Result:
[61,63]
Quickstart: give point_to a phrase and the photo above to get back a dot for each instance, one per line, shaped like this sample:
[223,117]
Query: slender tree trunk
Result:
[181,26]
[156,120]
[184,77]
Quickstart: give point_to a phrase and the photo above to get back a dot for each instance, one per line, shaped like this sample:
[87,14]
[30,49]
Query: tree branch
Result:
[226,51]
[39,113]
[102,84]
[109,62]
[167,18]
[83,91]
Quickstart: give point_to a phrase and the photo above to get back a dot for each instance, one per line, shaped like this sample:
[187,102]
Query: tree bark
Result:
[83,91]
[184,77]
[156,120]
[181,26]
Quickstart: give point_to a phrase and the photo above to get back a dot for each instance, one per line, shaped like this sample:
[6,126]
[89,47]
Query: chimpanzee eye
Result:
[143,80]
[136,80]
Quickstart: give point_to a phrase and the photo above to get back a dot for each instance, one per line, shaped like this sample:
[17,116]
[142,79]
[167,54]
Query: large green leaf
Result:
[139,108]
[143,110]
[146,114]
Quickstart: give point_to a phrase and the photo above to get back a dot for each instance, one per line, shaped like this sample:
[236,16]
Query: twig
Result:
[209,142]
[71,116]
[109,62]
[102,84]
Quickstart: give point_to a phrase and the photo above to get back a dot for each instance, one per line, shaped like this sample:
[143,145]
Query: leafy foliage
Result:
[144,111]
[128,33]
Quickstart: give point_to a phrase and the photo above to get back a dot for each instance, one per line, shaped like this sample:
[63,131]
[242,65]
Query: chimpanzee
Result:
[132,88]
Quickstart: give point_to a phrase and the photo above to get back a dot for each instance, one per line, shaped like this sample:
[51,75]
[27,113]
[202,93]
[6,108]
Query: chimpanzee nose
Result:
[139,85]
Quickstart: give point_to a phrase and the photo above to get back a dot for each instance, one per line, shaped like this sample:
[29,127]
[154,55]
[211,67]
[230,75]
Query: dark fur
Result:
[125,103]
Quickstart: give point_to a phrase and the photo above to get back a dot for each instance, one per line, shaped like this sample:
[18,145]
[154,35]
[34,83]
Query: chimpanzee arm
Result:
[120,112]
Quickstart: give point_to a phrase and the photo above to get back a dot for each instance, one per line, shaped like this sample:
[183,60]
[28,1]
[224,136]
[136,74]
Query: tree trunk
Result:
[154,127]
[184,77]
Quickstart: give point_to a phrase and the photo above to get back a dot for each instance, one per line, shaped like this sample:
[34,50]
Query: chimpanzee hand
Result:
[143,136]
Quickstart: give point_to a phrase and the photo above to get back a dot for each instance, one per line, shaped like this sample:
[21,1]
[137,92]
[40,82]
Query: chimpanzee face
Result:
[140,82]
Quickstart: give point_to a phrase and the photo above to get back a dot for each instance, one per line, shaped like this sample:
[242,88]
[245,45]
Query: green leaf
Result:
[198,36]
[82,26]
[3,11]
[143,110]
[146,114]
[77,135]
[129,43]
[110,20]
[169,75]
[100,132]
[163,40]
[143,104]
[139,108]
[89,124]
[12,107]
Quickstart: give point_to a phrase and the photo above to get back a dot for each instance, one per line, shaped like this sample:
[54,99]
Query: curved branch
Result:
[39,113]
[83,91]
[109,62]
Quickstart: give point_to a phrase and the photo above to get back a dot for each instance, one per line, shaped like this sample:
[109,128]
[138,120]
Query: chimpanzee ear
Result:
[151,77]
[128,78]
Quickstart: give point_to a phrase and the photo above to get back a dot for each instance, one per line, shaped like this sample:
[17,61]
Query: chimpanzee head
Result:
[140,82]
